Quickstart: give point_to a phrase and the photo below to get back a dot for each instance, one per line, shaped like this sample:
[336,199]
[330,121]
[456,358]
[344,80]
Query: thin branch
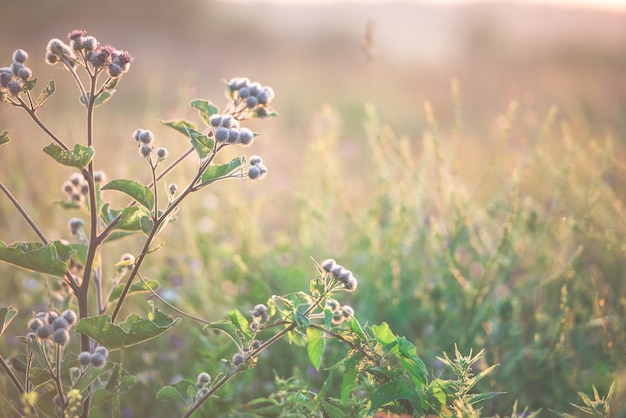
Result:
[12,375]
[24,214]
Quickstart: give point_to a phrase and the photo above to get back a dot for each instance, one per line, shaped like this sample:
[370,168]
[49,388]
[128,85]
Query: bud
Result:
[242,82]
[75,225]
[102,350]
[130,258]
[61,336]
[338,317]
[243,92]
[256,344]
[24,73]
[351,284]
[15,87]
[98,361]
[34,324]
[84,358]
[263,170]
[251,102]
[222,134]
[254,88]
[328,265]
[145,136]
[162,153]
[246,136]
[173,187]
[20,55]
[6,74]
[203,379]
[215,120]
[233,136]
[51,58]
[227,121]
[114,70]
[145,150]
[51,316]
[89,43]
[70,316]
[237,359]
[347,311]
[254,172]
[60,323]
[15,67]
[76,179]
[255,159]
[99,177]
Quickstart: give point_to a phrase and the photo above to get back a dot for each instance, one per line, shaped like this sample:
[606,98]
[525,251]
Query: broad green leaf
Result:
[479,397]
[240,322]
[52,258]
[437,391]
[201,143]
[79,157]
[348,381]
[411,361]
[171,393]
[102,98]
[383,334]
[130,219]
[142,194]
[332,410]
[4,137]
[112,83]
[46,93]
[228,327]
[137,287]
[392,391]
[29,84]
[6,316]
[206,109]
[80,252]
[315,346]
[219,170]
[146,224]
[181,126]
[133,331]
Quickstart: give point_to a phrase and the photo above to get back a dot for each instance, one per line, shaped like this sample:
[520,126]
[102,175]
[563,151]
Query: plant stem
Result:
[24,214]
[12,375]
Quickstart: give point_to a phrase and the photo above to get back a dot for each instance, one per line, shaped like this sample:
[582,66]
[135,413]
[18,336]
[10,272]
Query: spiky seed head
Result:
[246,136]
[145,150]
[15,87]
[6,74]
[254,88]
[99,177]
[222,134]
[146,137]
[75,224]
[215,120]
[70,316]
[254,172]
[43,332]
[243,92]
[24,73]
[102,350]
[84,358]
[328,265]
[347,311]
[203,379]
[51,316]
[255,159]
[351,284]
[20,55]
[61,336]
[172,188]
[89,43]
[227,121]
[263,170]
[114,70]
[237,359]
[60,323]
[256,344]
[162,153]
[98,361]
[251,102]
[34,324]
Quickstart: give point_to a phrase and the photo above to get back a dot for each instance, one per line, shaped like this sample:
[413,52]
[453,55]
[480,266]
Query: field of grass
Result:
[472,174]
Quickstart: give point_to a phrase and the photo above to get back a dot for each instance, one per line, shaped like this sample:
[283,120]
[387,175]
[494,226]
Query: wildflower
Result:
[61,336]
[20,55]
[246,136]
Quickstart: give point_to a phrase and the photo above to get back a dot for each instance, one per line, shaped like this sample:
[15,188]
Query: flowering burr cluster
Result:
[145,140]
[88,48]
[12,78]
[51,326]
[257,169]
[250,97]
[226,130]
[340,313]
[341,274]
[76,188]
[97,359]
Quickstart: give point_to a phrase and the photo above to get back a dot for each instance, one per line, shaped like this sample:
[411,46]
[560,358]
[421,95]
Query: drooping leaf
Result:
[201,143]
[389,392]
[240,322]
[315,346]
[29,84]
[79,157]
[219,170]
[130,219]
[133,331]
[383,334]
[206,109]
[411,361]
[142,194]
[52,258]
[4,137]
[46,93]
[6,316]
[348,380]
[146,224]
[228,327]
[137,287]
[179,391]
[181,126]
[80,252]
[104,97]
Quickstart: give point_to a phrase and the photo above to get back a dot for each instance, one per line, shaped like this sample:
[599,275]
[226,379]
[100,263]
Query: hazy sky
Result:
[603,4]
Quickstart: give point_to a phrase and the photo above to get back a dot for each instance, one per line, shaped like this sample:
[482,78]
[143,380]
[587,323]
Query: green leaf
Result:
[348,380]
[133,331]
[240,322]
[315,346]
[216,171]
[146,224]
[137,287]
[46,93]
[102,98]
[389,392]
[4,137]
[206,109]
[479,397]
[130,219]
[80,253]
[29,84]
[411,361]
[201,143]
[79,157]
[52,258]
[142,194]
[383,334]
[6,316]
[181,126]
[171,393]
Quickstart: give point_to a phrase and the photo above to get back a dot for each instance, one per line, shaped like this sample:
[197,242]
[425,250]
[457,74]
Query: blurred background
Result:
[485,89]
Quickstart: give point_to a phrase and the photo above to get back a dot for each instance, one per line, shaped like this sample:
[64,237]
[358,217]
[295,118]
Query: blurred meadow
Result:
[467,162]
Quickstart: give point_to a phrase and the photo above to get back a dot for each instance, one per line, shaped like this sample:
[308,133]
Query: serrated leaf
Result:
[6,316]
[46,93]
[135,330]
[201,143]
[142,194]
[181,126]
[29,84]
[52,258]
[240,322]
[137,287]
[206,109]
[479,397]
[219,170]
[4,137]
[389,392]
[316,343]
[79,157]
